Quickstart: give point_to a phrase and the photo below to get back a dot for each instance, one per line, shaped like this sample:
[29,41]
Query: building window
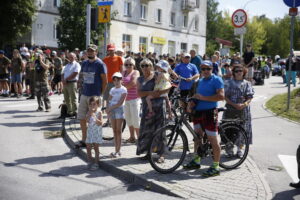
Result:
[196,24]
[126,42]
[158,15]
[171,48]
[143,46]
[183,47]
[172,19]
[56,3]
[196,48]
[185,21]
[127,8]
[143,11]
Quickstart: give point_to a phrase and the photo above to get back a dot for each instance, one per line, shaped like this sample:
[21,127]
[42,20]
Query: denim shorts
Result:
[16,78]
[117,113]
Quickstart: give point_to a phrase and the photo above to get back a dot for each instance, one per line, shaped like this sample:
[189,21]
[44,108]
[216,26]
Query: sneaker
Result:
[295,185]
[89,165]
[239,154]
[211,172]
[94,167]
[191,165]
[39,109]
[48,110]
[31,97]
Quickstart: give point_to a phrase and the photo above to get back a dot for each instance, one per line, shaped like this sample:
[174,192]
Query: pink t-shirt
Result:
[132,92]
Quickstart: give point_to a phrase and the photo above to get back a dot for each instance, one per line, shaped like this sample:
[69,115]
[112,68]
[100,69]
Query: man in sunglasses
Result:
[209,90]
[188,72]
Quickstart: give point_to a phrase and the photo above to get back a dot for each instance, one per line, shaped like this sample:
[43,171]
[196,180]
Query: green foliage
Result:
[16,19]
[73,24]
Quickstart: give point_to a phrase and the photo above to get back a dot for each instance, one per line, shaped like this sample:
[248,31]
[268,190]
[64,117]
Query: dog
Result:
[63,110]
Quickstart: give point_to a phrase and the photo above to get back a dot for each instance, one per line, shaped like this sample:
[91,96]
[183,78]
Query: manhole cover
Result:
[275,168]
[52,134]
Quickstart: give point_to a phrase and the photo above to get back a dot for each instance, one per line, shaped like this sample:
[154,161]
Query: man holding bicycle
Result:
[209,90]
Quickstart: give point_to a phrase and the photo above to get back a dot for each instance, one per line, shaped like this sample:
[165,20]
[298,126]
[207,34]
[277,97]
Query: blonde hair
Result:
[131,60]
[147,62]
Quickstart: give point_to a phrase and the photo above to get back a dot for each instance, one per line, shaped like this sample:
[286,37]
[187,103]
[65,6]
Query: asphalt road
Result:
[275,142]
[32,167]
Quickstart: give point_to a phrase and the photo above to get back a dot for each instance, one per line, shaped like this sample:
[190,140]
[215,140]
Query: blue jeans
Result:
[292,75]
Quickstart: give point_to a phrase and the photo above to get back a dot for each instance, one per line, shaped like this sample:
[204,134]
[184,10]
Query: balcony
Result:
[188,5]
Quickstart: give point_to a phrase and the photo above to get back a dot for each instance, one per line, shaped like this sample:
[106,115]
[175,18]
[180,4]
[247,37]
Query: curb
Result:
[123,175]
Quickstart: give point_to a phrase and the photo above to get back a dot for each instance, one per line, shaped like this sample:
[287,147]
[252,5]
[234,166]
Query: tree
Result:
[16,20]
[72,24]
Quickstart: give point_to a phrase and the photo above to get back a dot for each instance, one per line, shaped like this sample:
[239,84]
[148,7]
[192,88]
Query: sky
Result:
[271,8]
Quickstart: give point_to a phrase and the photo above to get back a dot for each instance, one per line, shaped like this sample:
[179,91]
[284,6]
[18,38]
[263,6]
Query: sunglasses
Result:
[128,65]
[237,71]
[206,69]
[143,66]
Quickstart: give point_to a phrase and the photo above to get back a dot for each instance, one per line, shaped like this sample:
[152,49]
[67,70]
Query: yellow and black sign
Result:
[103,14]
[159,40]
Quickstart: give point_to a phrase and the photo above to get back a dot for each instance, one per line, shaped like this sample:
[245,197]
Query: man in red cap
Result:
[114,64]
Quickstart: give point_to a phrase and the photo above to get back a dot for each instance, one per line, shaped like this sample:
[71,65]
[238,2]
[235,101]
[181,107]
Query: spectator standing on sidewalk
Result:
[41,81]
[58,66]
[94,78]
[17,66]
[195,59]
[114,64]
[248,58]
[69,78]
[132,103]
[4,74]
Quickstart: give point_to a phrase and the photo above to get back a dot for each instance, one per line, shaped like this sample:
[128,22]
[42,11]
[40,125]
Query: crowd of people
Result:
[122,82]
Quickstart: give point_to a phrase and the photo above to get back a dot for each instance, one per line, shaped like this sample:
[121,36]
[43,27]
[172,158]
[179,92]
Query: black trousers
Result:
[298,161]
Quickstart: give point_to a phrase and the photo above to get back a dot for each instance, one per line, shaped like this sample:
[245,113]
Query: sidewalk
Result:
[245,182]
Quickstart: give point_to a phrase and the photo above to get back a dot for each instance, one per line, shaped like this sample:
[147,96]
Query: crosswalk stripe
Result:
[290,164]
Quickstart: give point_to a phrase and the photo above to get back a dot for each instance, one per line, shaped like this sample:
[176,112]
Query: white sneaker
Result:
[239,154]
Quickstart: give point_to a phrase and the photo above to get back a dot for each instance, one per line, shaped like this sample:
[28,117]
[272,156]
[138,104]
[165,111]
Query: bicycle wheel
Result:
[234,146]
[173,151]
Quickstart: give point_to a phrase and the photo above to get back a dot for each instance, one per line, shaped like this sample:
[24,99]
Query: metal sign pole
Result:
[290,61]
[241,44]
[105,40]
[88,25]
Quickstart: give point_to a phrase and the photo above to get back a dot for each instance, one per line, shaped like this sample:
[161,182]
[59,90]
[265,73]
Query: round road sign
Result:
[292,3]
[239,18]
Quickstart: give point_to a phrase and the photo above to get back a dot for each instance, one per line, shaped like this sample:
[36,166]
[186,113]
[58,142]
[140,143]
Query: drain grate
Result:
[52,134]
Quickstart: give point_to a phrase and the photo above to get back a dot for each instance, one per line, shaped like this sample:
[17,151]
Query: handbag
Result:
[233,113]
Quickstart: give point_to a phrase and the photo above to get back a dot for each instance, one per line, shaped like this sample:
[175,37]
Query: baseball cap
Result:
[117,74]
[120,50]
[1,52]
[111,47]
[54,53]
[163,65]
[206,63]
[187,55]
[93,47]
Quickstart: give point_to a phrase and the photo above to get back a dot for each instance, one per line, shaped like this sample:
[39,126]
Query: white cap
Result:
[163,65]
[120,50]
[187,55]
[117,74]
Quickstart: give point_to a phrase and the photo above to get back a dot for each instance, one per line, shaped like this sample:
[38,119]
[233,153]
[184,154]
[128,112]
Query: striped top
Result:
[131,92]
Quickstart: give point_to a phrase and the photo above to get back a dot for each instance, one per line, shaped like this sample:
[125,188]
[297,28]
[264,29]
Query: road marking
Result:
[259,98]
[290,164]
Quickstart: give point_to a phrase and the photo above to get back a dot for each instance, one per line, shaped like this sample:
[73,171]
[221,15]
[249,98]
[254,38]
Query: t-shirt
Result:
[57,62]
[70,68]
[186,71]
[197,61]
[208,87]
[16,65]
[91,72]
[116,94]
[248,57]
[113,64]
[41,75]
[4,65]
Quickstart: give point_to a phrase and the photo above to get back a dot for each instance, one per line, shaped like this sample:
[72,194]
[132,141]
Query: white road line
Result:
[290,165]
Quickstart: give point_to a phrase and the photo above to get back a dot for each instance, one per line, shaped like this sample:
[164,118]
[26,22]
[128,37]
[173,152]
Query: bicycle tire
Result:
[174,152]
[232,136]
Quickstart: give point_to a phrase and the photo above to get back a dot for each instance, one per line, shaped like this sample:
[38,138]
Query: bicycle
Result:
[175,145]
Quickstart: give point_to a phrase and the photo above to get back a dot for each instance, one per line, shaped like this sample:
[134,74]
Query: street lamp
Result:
[248,3]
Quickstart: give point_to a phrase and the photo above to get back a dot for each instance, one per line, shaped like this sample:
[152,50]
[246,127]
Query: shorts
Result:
[250,73]
[117,113]
[83,107]
[106,92]
[57,79]
[4,77]
[207,120]
[16,78]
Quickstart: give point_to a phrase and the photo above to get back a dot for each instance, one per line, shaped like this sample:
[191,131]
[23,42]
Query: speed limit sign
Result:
[239,18]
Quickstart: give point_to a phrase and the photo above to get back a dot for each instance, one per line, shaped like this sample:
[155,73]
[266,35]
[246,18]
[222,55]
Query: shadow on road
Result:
[288,194]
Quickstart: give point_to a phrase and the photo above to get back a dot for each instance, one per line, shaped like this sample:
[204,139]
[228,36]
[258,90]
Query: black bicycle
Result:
[171,143]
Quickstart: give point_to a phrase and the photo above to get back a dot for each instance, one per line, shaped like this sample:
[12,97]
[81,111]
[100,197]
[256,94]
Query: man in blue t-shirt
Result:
[209,90]
[188,72]
[196,60]
[94,74]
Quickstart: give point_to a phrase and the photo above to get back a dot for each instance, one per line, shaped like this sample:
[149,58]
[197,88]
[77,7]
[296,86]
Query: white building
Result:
[44,26]
[161,26]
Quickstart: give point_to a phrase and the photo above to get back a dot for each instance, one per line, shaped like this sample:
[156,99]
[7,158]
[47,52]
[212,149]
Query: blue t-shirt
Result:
[197,61]
[92,82]
[208,87]
[216,68]
[186,71]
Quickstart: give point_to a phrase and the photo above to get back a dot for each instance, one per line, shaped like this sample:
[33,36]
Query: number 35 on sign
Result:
[239,18]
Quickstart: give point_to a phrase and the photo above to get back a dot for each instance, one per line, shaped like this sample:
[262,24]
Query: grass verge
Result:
[278,105]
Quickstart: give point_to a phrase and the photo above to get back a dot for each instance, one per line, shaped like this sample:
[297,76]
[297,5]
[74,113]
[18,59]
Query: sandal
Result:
[161,160]
[113,155]
[130,140]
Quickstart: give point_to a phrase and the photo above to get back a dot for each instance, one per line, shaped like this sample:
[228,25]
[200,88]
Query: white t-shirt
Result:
[70,68]
[116,94]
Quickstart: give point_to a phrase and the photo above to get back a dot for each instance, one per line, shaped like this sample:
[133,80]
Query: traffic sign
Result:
[239,31]
[105,2]
[292,3]
[239,18]
[103,14]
